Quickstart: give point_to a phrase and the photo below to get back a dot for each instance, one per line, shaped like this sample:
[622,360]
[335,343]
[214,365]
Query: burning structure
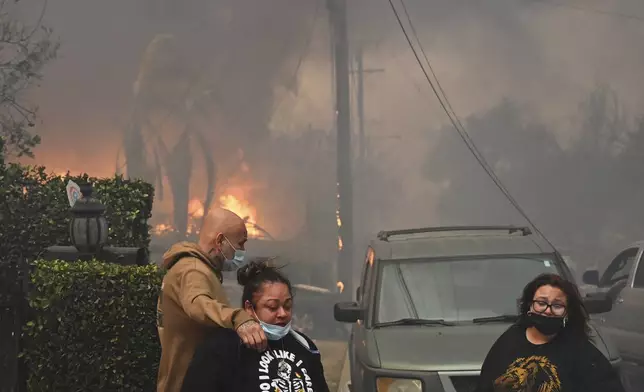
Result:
[168,141]
[202,131]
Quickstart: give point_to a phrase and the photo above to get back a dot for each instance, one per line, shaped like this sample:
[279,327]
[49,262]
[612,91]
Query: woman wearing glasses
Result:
[549,349]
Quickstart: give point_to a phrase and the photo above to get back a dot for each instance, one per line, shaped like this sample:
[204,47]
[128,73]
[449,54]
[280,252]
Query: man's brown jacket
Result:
[192,300]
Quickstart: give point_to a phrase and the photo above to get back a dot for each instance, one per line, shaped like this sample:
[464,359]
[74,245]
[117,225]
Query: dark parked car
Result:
[432,301]
[623,282]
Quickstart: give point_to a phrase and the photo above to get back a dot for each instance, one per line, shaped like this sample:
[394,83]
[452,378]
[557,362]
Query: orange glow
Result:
[195,208]
[230,202]
[340,245]
[242,208]
[237,190]
[340,286]
[162,229]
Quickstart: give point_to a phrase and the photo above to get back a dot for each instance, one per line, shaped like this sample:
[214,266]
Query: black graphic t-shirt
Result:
[562,365]
[223,363]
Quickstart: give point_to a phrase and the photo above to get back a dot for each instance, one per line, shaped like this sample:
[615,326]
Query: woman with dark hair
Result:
[550,348]
[292,361]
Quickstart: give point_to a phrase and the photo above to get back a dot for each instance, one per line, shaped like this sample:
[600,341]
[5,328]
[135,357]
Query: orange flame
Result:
[195,208]
[234,198]
[239,206]
[162,228]
[340,286]
[244,210]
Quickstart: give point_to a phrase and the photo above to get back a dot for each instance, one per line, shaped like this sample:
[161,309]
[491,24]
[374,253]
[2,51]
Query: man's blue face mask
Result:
[238,258]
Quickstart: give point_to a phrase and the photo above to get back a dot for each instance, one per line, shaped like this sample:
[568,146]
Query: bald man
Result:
[193,300]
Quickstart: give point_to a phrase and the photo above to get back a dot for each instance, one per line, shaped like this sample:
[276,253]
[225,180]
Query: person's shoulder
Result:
[183,265]
[195,267]
[305,341]
[585,347]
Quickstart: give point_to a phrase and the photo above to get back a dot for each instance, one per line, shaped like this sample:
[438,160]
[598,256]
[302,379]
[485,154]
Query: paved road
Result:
[345,376]
[333,354]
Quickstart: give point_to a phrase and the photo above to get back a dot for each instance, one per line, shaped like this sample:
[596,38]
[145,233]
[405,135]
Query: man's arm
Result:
[198,301]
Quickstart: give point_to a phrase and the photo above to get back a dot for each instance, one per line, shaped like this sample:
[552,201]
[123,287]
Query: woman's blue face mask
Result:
[272,331]
[275,332]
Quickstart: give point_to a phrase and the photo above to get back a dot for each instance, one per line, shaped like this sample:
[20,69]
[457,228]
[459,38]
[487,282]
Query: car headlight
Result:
[386,384]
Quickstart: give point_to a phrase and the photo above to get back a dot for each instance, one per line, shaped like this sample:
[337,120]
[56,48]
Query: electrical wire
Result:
[456,122]
[302,56]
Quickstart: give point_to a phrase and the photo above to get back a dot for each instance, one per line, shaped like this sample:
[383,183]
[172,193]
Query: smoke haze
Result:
[264,68]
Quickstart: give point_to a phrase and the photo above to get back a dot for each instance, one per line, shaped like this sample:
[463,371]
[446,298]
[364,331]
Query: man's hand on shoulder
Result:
[253,336]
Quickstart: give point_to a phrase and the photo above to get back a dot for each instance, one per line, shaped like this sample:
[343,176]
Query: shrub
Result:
[35,212]
[92,327]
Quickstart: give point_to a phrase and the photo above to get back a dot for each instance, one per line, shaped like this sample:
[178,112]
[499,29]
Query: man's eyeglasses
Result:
[542,306]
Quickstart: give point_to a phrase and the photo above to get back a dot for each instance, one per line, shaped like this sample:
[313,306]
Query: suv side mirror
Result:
[347,312]
[598,303]
[591,277]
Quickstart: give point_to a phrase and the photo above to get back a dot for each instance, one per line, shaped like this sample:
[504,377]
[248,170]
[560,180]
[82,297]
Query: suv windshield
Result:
[455,290]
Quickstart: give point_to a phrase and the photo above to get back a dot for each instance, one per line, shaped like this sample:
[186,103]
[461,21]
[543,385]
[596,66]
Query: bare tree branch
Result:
[24,51]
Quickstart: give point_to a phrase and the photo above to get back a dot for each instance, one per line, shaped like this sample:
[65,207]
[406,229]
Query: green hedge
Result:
[92,327]
[35,213]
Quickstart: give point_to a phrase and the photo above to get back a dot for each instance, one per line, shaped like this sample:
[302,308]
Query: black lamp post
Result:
[88,232]
[88,229]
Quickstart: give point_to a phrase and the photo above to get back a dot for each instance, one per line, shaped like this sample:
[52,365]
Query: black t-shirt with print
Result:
[562,365]
[223,363]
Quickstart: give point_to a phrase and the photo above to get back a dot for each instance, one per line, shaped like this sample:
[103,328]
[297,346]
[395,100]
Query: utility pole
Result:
[362,142]
[338,16]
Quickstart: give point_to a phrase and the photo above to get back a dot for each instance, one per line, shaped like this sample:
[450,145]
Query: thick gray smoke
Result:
[517,70]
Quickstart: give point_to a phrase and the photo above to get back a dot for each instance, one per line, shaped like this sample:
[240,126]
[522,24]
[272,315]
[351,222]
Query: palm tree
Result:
[141,137]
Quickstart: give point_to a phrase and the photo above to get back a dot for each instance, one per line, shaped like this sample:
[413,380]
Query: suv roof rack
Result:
[384,235]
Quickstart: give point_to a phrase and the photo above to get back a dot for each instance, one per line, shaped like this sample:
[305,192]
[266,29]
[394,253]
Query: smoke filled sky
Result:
[538,53]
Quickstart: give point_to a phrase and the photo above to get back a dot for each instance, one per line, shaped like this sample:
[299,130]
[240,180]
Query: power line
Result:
[456,122]
[302,56]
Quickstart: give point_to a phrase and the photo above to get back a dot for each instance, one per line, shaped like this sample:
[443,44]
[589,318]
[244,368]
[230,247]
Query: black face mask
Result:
[546,325]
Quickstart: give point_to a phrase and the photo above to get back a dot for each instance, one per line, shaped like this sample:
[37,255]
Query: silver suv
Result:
[433,301]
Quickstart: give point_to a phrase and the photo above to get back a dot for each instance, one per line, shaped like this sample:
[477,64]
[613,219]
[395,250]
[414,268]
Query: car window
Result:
[638,281]
[620,268]
[455,290]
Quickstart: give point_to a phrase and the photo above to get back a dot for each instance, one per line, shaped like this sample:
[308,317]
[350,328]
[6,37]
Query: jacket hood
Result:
[187,249]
